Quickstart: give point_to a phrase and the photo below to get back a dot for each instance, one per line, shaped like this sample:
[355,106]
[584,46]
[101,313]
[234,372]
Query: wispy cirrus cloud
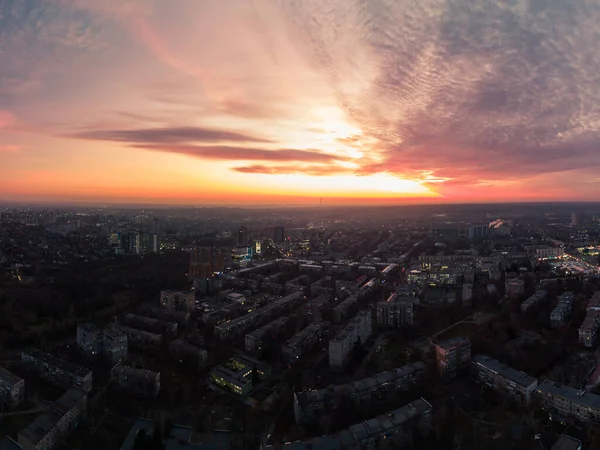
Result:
[312,170]
[467,89]
[231,153]
[168,135]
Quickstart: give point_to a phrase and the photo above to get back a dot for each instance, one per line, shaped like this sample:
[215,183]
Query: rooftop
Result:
[508,372]
[7,443]
[566,442]
[57,362]
[131,372]
[37,429]
[89,327]
[322,395]
[268,328]
[582,398]
[9,378]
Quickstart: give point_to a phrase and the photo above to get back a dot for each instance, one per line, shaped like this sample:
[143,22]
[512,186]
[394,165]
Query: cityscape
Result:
[449,326]
[299,225]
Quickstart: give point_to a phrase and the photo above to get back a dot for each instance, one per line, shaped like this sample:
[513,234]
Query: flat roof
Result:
[36,430]
[267,328]
[571,394]
[9,378]
[134,373]
[260,311]
[138,425]
[508,372]
[57,362]
[6,443]
[389,376]
[566,442]
[89,327]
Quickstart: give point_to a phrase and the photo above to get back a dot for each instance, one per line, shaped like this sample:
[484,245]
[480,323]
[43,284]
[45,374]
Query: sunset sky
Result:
[289,101]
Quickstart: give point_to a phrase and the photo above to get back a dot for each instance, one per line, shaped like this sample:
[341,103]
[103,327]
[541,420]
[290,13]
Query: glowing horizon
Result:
[287,102]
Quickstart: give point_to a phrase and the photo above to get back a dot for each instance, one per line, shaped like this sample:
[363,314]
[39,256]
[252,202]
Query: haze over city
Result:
[287,102]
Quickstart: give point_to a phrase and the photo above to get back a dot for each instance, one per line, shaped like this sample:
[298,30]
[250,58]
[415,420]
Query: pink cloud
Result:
[6,119]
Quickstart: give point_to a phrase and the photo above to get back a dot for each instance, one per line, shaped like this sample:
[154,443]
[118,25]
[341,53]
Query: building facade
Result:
[89,338]
[115,344]
[565,402]
[61,418]
[504,379]
[57,371]
[139,382]
[452,355]
[303,341]
[394,313]
[12,388]
[357,331]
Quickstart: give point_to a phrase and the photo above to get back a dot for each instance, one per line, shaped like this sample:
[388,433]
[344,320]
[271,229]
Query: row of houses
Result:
[303,341]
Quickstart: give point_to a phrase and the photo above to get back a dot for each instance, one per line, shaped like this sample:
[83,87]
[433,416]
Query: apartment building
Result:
[236,374]
[259,316]
[394,313]
[566,402]
[562,312]
[89,338]
[589,328]
[186,352]
[114,346]
[303,341]
[358,330]
[396,426]
[452,355]
[139,382]
[12,388]
[168,315]
[178,300]
[152,325]
[61,418]
[504,379]
[467,294]
[514,287]
[142,339]
[254,340]
[534,300]
[57,371]
[308,405]
[7,443]
[344,309]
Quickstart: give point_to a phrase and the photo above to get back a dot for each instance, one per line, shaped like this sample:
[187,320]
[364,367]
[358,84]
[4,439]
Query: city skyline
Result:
[287,103]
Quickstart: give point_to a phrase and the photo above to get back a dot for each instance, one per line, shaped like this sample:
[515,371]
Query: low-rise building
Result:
[397,426]
[534,300]
[114,344]
[254,340]
[452,355]
[259,316]
[139,382]
[12,388]
[303,341]
[565,402]
[168,315]
[589,328]
[236,375]
[308,405]
[344,309]
[151,324]
[504,379]
[357,331]
[562,313]
[514,287]
[7,443]
[89,338]
[52,426]
[566,442]
[394,313]
[187,352]
[178,300]
[142,339]
[57,371]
